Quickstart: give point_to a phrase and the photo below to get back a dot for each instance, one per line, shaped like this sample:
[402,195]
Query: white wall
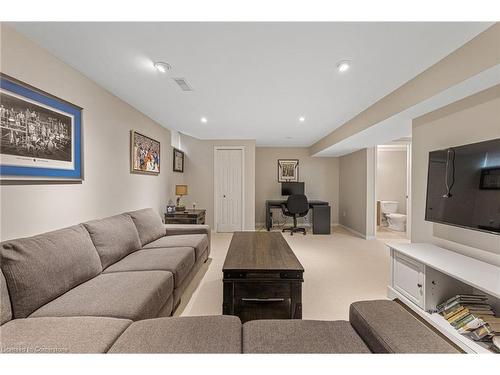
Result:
[109,187]
[320,175]
[199,172]
[391,177]
[473,119]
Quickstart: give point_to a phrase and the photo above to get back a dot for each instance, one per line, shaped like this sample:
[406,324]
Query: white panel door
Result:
[229,189]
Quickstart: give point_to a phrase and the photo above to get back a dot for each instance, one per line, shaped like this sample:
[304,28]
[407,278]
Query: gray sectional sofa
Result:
[110,285]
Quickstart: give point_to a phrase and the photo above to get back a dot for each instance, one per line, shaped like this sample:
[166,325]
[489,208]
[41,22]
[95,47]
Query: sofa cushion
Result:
[41,268]
[178,229]
[197,241]
[61,335]
[203,334]
[114,237]
[386,327]
[301,336]
[5,307]
[149,225]
[178,260]
[129,295]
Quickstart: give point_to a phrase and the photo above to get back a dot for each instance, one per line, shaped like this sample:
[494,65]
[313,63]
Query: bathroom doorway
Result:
[392,187]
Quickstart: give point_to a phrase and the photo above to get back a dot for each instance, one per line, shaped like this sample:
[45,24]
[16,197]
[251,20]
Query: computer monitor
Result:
[292,188]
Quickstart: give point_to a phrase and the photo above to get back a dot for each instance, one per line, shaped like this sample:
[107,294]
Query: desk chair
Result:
[295,206]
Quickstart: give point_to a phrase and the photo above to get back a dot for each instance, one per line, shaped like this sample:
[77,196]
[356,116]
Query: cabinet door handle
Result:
[419,285]
[262,299]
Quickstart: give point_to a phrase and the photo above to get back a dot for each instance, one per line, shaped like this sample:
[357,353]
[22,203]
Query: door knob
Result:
[419,285]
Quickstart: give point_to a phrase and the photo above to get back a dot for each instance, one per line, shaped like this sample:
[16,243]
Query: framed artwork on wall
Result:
[178,160]
[40,135]
[144,154]
[288,170]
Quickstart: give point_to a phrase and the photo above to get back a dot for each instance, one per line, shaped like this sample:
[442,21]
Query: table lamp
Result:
[180,190]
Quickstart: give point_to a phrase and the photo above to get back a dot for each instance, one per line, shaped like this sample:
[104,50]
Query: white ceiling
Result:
[252,80]
[400,124]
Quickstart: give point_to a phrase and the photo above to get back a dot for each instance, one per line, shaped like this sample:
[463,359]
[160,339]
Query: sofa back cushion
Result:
[5,307]
[148,224]
[114,238]
[38,269]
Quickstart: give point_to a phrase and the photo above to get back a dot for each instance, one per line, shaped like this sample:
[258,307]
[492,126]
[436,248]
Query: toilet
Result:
[394,220]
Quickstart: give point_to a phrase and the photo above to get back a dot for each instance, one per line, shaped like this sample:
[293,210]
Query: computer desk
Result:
[320,227]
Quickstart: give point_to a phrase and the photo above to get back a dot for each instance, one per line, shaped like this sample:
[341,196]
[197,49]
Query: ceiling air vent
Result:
[183,84]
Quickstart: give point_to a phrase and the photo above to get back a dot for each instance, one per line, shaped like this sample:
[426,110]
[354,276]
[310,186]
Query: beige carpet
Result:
[339,269]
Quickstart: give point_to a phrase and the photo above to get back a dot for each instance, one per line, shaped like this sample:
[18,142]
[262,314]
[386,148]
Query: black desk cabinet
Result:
[320,215]
[321,220]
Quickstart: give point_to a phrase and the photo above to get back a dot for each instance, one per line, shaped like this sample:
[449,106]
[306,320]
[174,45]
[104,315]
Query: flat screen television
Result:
[463,186]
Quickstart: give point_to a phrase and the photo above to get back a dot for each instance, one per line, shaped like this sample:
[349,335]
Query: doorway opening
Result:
[393,184]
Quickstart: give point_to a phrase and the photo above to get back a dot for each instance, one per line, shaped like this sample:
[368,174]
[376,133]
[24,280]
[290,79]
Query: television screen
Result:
[463,186]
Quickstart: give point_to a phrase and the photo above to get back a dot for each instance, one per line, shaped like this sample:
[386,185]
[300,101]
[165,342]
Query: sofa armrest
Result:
[387,327]
[179,229]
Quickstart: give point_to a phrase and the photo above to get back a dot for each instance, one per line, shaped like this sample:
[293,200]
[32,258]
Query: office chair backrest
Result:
[297,204]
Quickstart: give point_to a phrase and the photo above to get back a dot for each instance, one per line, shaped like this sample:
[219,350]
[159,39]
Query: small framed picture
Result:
[144,154]
[288,170]
[178,160]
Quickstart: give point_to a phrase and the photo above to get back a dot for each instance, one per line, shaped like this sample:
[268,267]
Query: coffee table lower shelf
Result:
[252,296]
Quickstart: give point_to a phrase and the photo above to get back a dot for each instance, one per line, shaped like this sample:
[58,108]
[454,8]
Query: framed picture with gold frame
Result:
[144,154]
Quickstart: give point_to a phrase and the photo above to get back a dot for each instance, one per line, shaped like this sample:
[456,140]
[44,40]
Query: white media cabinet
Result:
[424,275]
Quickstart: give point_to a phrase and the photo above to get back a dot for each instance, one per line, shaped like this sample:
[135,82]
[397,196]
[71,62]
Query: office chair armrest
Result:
[284,208]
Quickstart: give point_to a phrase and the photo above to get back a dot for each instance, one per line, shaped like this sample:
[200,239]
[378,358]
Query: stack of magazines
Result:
[471,315]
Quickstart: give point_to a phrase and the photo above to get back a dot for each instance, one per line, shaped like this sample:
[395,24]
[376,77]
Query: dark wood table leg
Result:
[296,301]
[228,299]
[268,217]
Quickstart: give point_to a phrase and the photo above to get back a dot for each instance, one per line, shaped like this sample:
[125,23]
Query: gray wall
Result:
[109,187]
[321,177]
[391,177]
[474,119]
[199,172]
[353,191]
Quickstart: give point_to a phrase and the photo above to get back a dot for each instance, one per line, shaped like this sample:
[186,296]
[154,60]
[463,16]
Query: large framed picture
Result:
[178,160]
[144,154]
[41,135]
[288,170]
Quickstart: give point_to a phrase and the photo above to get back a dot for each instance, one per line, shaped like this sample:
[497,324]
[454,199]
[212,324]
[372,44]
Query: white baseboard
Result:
[356,233]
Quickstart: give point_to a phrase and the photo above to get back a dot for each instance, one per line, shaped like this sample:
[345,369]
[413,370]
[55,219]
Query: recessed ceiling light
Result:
[204,120]
[343,66]
[162,67]
[302,119]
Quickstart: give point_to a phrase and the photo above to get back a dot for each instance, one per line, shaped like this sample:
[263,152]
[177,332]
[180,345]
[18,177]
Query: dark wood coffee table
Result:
[262,278]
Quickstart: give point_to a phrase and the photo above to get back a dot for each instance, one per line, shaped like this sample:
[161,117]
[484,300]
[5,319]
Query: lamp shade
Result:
[181,189]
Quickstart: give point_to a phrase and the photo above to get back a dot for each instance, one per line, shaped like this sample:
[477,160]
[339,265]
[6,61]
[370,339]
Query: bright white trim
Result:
[408,190]
[243,169]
